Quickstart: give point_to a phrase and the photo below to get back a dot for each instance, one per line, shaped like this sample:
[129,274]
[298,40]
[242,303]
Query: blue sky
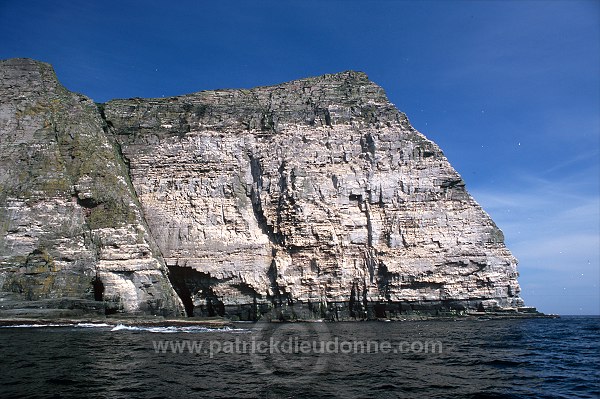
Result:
[509,90]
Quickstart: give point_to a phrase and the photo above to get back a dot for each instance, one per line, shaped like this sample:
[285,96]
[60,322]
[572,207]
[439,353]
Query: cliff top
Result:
[29,69]
[21,76]
[326,100]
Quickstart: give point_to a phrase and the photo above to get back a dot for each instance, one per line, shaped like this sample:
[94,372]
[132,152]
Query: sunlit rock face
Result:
[311,199]
[314,198]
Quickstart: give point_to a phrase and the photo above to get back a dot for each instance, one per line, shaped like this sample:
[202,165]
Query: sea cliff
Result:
[313,199]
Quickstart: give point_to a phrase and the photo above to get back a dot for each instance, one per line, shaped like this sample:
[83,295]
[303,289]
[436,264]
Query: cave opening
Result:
[98,288]
[379,309]
[177,276]
[188,304]
[189,283]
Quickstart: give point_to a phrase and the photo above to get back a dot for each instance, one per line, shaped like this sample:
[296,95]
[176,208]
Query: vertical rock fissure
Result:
[255,198]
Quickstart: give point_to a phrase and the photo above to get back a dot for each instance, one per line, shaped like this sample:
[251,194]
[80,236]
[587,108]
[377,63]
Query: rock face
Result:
[72,234]
[310,199]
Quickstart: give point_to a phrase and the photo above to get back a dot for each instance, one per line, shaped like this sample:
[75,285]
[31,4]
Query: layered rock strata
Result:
[72,233]
[310,199]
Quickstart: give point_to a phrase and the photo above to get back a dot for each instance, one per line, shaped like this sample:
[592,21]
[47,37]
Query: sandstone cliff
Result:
[314,198]
[71,228]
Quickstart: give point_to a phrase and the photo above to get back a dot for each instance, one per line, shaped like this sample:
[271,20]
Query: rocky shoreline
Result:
[219,322]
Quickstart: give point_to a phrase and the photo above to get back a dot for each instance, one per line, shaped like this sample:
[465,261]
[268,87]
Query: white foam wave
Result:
[36,325]
[92,325]
[177,329]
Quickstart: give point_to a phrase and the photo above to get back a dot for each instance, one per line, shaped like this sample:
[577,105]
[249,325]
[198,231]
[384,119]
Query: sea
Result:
[464,358]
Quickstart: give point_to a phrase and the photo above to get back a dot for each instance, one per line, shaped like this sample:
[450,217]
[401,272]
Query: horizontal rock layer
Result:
[314,198]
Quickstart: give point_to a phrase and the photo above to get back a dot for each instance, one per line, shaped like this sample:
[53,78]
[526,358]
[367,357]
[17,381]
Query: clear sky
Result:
[510,90]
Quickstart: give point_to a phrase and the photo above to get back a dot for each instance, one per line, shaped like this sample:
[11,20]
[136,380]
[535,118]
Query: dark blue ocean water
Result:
[530,358]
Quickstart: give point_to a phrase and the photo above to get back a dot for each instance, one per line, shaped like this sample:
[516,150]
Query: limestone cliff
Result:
[315,198]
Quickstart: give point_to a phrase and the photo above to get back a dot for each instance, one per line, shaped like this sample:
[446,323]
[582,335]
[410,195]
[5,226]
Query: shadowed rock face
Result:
[315,198]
